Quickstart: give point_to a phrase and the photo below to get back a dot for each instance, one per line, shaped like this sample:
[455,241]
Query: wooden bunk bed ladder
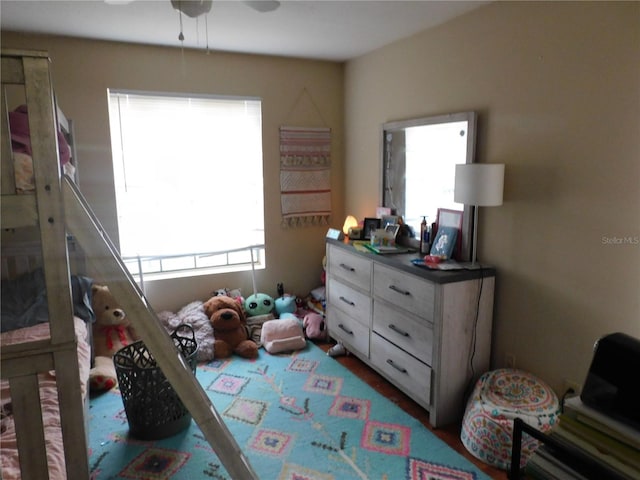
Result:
[104,262]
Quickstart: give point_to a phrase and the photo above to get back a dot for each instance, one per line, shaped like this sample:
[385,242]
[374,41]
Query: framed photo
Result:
[388,220]
[392,229]
[444,243]
[334,234]
[382,211]
[369,226]
[453,219]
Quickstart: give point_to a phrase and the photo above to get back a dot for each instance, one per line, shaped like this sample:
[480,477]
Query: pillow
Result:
[282,335]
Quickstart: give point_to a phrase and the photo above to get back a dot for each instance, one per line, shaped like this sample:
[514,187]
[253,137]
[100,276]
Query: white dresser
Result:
[427,332]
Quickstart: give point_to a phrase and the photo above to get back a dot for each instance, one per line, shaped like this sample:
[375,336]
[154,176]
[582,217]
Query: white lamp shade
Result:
[479,184]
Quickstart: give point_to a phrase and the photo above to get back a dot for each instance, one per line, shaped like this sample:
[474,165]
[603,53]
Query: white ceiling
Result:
[329,30]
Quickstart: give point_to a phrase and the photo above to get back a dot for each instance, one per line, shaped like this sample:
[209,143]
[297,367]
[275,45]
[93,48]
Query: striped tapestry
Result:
[305,176]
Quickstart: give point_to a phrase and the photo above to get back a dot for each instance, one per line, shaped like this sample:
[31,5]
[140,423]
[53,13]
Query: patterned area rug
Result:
[300,416]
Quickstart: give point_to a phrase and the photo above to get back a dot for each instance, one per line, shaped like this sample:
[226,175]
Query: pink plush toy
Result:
[315,327]
[282,335]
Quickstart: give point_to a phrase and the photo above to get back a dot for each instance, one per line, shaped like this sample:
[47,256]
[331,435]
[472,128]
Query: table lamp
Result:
[349,222]
[478,185]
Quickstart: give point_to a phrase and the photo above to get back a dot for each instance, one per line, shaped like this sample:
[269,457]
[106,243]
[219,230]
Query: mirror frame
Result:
[471,118]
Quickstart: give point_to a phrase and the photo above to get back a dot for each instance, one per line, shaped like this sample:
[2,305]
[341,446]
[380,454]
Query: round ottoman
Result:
[497,399]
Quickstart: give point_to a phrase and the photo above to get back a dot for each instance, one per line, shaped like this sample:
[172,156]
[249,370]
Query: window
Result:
[188,179]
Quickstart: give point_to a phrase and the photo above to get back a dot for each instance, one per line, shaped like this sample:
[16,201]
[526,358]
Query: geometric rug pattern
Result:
[296,416]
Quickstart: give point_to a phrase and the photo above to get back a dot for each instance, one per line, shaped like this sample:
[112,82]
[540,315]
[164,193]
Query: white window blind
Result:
[188,173]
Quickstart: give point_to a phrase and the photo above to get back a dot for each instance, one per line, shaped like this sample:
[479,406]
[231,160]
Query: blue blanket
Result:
[24,300]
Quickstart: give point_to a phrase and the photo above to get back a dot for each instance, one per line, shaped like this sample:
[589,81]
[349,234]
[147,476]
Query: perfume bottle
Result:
[424,235]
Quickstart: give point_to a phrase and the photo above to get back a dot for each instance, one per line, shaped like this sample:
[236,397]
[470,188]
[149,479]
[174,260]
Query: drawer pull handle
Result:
[347,301]
[397,367]
[347,267]
[398,330]
[345,329]
[400,291]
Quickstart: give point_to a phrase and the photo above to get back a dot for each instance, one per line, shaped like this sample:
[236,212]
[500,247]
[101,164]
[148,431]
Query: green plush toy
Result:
[258,304]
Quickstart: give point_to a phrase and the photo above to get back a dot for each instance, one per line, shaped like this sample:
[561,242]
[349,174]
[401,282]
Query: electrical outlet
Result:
[568,384]
[510,360]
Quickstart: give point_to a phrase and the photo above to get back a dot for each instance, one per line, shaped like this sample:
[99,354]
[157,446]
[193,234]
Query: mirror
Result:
[418,169]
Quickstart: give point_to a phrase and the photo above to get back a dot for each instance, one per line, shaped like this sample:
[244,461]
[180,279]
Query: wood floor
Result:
[449,434]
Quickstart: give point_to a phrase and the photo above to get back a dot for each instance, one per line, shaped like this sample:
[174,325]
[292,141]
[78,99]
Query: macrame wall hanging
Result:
[305,174]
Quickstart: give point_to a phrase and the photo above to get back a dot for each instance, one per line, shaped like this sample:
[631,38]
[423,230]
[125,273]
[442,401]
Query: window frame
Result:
[256,252]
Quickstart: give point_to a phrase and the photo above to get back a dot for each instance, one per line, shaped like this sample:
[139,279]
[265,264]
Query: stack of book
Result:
[587,444]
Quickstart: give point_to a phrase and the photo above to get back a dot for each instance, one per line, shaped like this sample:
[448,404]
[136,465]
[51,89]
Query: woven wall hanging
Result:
[305,175]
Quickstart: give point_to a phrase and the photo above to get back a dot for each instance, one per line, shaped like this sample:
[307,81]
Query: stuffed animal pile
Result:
[111,332]
[228,324]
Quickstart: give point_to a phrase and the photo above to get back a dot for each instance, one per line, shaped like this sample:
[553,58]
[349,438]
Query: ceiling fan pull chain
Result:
[206,32]
[181,38]
[181,35]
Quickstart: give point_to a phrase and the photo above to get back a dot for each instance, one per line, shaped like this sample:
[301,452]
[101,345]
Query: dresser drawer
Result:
[411,375]
[353,334]
[409,333]
[412,293]
[355,304]
[349,267]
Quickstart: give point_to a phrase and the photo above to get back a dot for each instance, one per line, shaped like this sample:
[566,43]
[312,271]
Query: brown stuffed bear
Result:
[111,332]
[229,328]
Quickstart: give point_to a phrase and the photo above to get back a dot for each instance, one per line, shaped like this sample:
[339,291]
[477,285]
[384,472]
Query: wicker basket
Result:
[153,408]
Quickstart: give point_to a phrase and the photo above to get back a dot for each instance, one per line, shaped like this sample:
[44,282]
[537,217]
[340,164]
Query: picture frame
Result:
[451,218]
[392,229]
[388,220]
[370,225]
[445,242]
[334,234]
[382,211]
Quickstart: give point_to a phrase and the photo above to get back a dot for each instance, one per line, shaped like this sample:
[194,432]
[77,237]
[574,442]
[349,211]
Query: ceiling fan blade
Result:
[263,6]
[192,8]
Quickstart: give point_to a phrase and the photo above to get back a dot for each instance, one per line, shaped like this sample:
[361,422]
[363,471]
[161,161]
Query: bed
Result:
[48,402]
[50,213]
[35,217]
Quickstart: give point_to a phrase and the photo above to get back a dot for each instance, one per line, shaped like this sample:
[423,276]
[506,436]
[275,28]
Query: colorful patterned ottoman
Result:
[497,399]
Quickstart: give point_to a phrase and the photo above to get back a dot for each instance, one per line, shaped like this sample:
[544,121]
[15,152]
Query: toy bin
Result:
[154,410]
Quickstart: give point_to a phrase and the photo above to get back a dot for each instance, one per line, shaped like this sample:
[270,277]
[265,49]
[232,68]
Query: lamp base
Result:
[471,265]
[474,266]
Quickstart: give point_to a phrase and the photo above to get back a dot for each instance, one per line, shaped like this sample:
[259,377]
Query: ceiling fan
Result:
[195,8]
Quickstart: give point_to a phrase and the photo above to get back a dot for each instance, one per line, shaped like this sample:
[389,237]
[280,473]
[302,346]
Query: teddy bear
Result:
[111,332]
[229,328]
